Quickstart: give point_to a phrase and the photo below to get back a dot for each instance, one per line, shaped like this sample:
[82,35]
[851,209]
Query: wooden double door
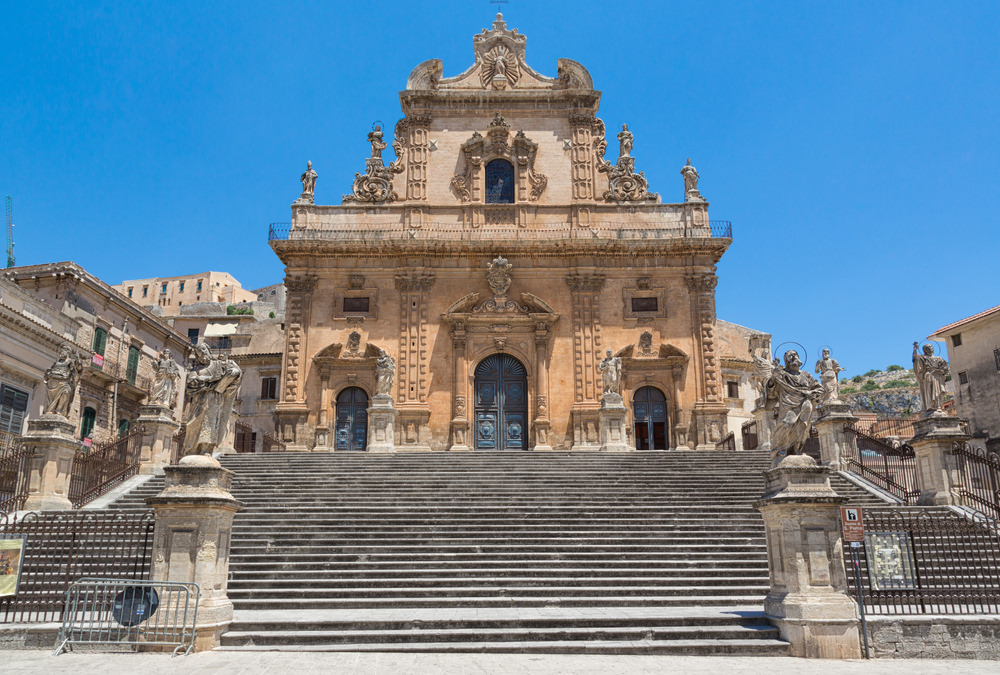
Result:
[501,404]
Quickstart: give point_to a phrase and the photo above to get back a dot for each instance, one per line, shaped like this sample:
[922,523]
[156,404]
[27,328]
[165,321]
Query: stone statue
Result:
[931,372]
[691,193]
[762,369]
[165,381]
[611,370]
[829,371]
[624,142]
[211,389]
[378,145]
[385,373]
[60,382]
[308,182]
[795,395]
[498,276]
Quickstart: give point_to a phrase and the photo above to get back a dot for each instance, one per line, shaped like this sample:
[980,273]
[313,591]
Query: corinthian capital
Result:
[702,283]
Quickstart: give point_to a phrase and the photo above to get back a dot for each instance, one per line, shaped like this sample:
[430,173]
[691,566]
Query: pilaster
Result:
[585,287]
[413,361]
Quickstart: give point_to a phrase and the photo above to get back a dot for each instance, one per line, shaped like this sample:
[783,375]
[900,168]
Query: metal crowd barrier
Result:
[129,612]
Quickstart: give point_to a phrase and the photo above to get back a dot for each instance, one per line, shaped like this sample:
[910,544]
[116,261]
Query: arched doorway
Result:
[649,409]
[501,412]
[352,420]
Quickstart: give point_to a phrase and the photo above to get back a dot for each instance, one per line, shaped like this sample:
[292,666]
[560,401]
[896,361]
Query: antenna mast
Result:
[10,231]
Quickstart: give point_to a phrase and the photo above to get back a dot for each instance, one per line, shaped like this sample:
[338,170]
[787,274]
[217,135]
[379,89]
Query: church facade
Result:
[495,262]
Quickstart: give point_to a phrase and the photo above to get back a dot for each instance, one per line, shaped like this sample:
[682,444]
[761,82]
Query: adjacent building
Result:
[171,293]
[974,354]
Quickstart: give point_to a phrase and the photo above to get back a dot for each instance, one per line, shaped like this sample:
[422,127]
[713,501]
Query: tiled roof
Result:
[952,326]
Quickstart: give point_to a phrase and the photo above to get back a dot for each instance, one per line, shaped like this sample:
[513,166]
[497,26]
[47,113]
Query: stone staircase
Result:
[652,552]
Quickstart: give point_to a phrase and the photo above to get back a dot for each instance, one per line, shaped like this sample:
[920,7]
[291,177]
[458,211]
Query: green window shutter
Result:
[133,364]
[87,424]
[13,404]
[123,427]
[100,340]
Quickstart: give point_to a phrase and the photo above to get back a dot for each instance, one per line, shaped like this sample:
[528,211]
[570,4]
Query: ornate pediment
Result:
[520,151]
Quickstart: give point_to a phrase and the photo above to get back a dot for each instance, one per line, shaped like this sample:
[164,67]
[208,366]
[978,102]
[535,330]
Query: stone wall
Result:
[935,637]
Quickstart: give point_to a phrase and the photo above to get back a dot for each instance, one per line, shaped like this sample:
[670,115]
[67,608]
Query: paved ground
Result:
[230,663]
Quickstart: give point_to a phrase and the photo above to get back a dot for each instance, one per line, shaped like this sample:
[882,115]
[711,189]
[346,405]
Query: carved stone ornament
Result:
[520,151]
[308,185]
[499,55]
[375,185]
[691,193]
[624,184]
[498,276]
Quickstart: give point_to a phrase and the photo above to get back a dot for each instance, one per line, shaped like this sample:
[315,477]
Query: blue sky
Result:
[855,146]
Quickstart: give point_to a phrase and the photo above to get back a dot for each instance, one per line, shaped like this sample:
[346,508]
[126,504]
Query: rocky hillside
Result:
[892,391]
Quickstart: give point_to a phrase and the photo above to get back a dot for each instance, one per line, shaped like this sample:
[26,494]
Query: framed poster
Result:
[11,554]
[890,561]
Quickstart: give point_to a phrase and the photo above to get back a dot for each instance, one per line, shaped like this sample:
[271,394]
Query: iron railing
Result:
[271,444]
[63,546]
[749,432]
[727,443]
[882,426]
[102,468]
[243,440]
[920,561]
[122,373]
[894,469]
[15,463]
[452,232]
[978,478]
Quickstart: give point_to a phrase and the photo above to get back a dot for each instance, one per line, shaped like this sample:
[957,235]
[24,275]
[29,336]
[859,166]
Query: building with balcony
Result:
[497,259]
[171,293]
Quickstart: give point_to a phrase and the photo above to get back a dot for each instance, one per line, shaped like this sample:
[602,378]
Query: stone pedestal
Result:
[53,444]
[291,425]
[612,418]
[808,600]
[932,444]
[158,429]
[834,442]
[381,424]
[709,419]
[460,435]
[765,424]
[194,520]
[542,436]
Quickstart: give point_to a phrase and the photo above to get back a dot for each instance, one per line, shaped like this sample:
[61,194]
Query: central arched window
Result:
[499,182]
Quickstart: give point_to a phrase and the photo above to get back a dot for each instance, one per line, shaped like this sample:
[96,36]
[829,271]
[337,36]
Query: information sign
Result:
[850,522]
[11,554]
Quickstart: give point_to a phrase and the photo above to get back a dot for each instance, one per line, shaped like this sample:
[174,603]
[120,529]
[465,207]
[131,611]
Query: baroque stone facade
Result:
[498,259]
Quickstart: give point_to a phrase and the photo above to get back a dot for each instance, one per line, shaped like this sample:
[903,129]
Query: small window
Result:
[132,369]
[499,182]
[268,388]
[216,284]
[13,406]
[996,357]
[193,335]
[199,284]
[163,288]
[123,427]
[145,291]
[645,304]
[357,304]
[732,389]
[130,291]
[88,419]
[100,340]
[956,339]
[963,377]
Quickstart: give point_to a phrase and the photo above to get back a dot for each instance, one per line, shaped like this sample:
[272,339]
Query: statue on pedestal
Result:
[308,183]
[165,381]
[60,382]
[829,370]
[385,373]
[691,193]
[611,371]
[211,390]
[931,372]
[794,394]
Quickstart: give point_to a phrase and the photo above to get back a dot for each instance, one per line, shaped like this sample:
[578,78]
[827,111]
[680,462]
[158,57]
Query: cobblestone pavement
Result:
[299,663]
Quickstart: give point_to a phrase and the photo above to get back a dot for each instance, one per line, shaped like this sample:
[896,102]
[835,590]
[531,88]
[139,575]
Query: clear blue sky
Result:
[855,146]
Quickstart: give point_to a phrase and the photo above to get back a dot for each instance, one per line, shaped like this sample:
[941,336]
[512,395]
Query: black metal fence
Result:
[978,478]
[749,432]
[63,546]
[15,462]
[102,468]
[927,561]
[894,469]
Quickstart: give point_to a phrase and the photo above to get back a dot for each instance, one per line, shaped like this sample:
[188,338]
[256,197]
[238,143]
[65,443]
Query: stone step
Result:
[317,583]
[523,602]
[442,594]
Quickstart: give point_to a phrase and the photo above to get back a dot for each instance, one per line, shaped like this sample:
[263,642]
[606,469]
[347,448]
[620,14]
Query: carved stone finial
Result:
[624,184]
[499,55]
[691,193]
[375,185]
[308,179]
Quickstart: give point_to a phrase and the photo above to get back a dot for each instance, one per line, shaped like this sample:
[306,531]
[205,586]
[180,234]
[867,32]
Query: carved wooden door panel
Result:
[501,399]
[352,420]
[649,409]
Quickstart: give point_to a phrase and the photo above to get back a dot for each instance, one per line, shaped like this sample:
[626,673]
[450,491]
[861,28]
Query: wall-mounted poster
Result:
[11,553]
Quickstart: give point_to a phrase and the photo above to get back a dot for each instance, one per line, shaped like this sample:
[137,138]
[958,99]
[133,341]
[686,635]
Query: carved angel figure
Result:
[165,380]
[794,394]
[60,382]
[385,373]
[211,389]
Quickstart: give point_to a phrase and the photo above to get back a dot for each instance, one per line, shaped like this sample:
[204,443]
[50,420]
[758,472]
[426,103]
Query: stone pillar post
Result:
[936,464]
[53,444]
[834,442]
[808,600]
[765,423]
[324,438]
[542,423]
[381,424]
[460,420]
[158,429]
[613,416]
[194,519]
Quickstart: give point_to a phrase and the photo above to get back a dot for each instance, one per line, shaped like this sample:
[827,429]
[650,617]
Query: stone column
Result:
[613,417]
[937,467]
[808,600]
[542,424]
[194,519]
[158,429]
[765,423]
[381,424]
[460,420]
[53,444]
[834,442]
[323,437]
